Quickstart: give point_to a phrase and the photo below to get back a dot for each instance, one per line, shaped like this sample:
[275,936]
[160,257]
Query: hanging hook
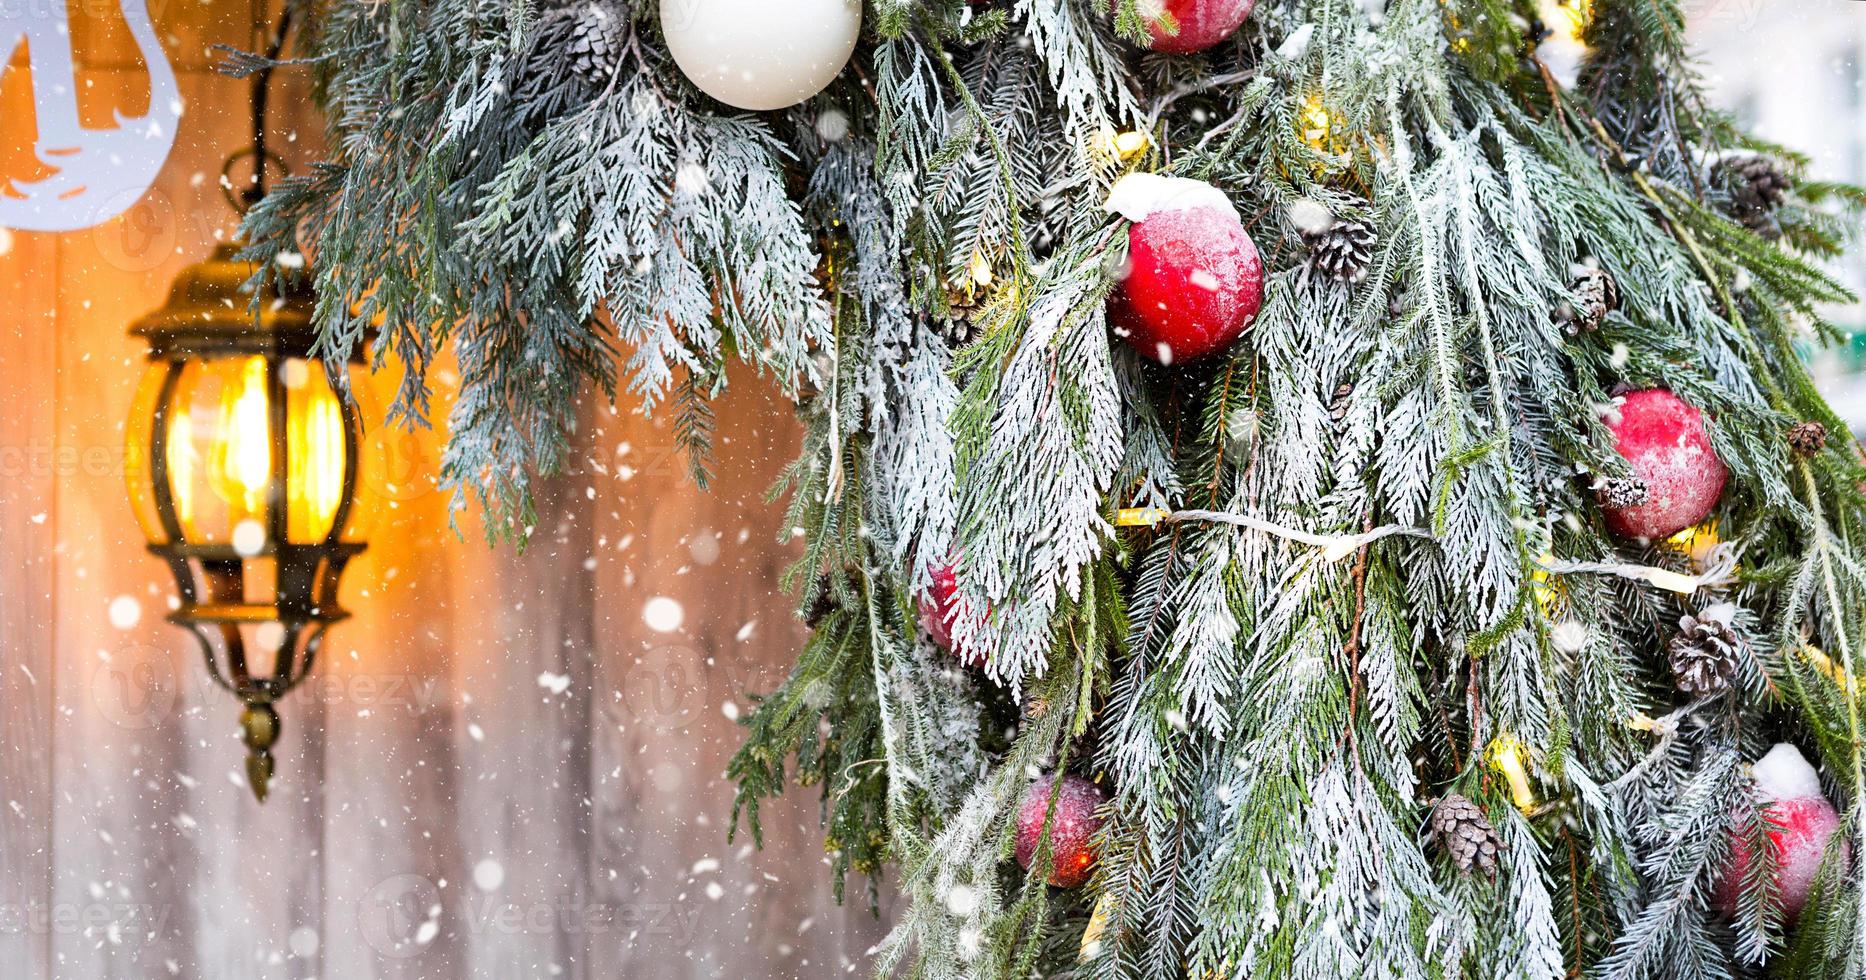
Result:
[261,99]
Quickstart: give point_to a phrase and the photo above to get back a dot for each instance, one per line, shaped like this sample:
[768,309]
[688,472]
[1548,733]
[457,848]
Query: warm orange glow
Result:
[240,460]
[181,463]
[220,449]
[315,451]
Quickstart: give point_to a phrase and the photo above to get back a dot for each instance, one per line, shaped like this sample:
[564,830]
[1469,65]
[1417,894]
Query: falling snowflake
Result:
[249,538]
[832,125]
[125,612]
[962,900]
[663,615]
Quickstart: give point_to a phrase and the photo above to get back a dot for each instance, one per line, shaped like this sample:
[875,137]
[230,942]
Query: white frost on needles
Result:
[1136,196]
[1784,774]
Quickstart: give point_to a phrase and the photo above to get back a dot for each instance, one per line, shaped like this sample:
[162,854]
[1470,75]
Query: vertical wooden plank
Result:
[28,485]
[392,870]
[690,618]
[524,669]
[28,482]
[460,811]
[123,861]
[172,867]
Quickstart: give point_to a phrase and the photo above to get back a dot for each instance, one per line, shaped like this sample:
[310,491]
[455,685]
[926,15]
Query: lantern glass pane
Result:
[137,475]
[318,441]
[220,451]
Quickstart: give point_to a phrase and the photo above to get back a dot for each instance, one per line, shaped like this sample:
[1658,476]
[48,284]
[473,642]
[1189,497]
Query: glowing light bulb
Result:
[1122,147]
[1131,144]
[1570,18]
[1696,542]
[1097,928]
[1318,126]
[181,467]
[314,454]
[1549,593]
[240,466]
[978,269]
[1833,671]
[1509,757]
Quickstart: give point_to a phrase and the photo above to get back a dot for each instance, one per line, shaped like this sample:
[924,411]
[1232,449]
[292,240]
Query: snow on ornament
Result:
[1679,475]
[1072,828]
[1193,281]
[1801,823]
[761,54]
[1196,24]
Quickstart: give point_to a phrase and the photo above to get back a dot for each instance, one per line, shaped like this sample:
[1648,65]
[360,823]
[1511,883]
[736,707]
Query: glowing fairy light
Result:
[1510,758]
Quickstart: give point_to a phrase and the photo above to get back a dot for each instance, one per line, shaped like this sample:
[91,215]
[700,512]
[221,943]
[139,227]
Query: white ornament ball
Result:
[761,54]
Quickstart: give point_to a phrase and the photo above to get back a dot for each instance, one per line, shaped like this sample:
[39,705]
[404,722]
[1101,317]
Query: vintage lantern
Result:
[244,468]
[245,461]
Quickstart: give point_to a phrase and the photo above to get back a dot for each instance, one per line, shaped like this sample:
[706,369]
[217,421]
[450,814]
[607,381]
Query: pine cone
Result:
[1344,395]
[1704,652]
[1622,492]
[958,329]
[966,298]
[1466,834]
[1807,438]
[1757,186]
[587,39]
[1599,295]
[1342,251]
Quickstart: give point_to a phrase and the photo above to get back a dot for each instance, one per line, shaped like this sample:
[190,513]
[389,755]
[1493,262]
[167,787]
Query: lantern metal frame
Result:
[225,308]
[214,314]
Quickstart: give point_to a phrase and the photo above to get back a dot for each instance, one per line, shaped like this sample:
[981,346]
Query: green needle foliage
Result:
[920,256]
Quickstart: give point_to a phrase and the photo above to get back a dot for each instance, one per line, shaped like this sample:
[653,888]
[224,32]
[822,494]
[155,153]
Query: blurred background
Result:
[511,764]
[1790,71]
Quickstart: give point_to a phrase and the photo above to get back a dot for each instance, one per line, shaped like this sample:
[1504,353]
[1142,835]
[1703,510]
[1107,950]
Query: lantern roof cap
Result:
[211,310]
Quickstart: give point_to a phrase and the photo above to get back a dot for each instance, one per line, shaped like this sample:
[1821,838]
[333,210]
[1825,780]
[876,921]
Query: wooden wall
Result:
[502,770]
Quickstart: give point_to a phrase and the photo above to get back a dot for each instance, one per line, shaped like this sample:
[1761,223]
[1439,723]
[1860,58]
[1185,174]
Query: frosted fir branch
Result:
[1090,79]
[1039,455]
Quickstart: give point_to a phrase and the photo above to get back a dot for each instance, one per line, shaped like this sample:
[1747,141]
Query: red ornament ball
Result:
[1201,23]
[1194,280]
[936,612]
[1663,436]
[1801,823]
[1072,829]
